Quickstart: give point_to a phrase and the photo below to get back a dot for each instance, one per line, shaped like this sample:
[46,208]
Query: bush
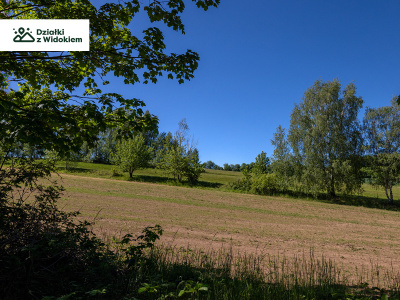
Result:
[46,253]
[264,184]
[242,184]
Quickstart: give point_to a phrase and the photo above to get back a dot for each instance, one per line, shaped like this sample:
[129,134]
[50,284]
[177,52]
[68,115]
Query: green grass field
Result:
[209,179]
[218,179]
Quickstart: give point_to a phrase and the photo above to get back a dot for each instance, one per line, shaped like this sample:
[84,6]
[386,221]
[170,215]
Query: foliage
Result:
[179,157]
[46,112]
[46,252]
[382,136]
[265,184]
[209,165]
[261,165]
[194,168]
[186,273]
[43,250]
[325,137]
[227,167]
[282,161]
[132,154]
[102,149]
[235,167]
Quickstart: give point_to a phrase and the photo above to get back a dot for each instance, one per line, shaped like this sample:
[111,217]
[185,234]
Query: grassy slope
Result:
[357,238]
[208,218]
[210,179]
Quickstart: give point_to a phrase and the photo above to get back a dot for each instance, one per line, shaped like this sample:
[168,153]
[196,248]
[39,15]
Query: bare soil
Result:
[354,237]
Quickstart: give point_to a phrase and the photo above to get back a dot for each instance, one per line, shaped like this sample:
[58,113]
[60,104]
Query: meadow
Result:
[358,236]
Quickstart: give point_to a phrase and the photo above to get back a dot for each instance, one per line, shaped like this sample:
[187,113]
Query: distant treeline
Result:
[228,167]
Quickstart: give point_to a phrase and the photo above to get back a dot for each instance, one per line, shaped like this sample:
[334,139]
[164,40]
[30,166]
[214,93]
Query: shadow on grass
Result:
[74,170]
[170,181]
[349,200]
[365,201]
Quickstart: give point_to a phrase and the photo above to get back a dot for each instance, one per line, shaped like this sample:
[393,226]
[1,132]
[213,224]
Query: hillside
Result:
[209,218]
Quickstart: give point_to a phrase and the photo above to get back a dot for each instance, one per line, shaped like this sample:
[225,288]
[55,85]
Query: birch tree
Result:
[382,136]
[326,138]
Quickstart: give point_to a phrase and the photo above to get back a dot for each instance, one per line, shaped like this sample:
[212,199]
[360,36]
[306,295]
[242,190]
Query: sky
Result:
[257,58]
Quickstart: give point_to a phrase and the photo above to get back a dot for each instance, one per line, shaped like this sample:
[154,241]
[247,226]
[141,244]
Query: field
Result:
[355,237]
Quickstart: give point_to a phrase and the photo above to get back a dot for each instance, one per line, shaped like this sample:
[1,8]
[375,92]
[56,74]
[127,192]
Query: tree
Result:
[132,154]
[179,155]
[325,137]
[236,167]
[281,161]
[243,166]
[262,164]
[47,111]
[193,167]
[209,165]
[382,136]
[227,167]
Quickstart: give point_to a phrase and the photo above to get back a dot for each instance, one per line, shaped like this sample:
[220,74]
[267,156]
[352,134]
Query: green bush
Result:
[264,184]
[45,253]
[244,184]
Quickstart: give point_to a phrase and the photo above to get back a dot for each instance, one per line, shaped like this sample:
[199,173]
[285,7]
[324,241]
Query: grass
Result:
[371,197]
[205,218]
[223,274]
[208,179]
[353,254]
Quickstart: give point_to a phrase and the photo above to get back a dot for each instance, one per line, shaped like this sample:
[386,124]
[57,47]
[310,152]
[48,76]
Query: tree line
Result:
[328,150]
[176,153]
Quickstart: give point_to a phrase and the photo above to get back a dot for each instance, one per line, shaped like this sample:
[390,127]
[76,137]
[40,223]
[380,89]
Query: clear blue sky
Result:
[258,57]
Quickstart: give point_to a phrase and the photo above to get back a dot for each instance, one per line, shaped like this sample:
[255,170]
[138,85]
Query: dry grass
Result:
[355,237]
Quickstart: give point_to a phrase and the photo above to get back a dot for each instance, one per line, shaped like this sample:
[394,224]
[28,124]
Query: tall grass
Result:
[223,274]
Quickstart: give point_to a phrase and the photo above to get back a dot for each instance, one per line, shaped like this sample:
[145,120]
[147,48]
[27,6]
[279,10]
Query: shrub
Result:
[264,184]
[46,253]
[242,184]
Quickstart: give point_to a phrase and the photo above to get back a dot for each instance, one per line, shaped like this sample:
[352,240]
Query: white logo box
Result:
[44,35]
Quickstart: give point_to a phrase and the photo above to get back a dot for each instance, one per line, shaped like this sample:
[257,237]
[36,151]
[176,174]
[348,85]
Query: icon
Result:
[23,36]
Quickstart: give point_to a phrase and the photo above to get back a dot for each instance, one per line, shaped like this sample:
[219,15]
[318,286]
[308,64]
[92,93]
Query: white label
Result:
[44,35]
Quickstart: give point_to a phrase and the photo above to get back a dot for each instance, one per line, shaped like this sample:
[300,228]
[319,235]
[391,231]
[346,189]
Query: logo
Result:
[24,36]
[44,35]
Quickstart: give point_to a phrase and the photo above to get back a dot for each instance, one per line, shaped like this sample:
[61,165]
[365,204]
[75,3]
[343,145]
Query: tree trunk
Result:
[332,193]
[390,198]
[388,187]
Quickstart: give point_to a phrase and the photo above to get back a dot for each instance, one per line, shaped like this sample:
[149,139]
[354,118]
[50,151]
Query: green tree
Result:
[209,165]
[132,154]
[326,138]
[47,110]
[282,165]
[179,157]
[382,139]
[193,166]
[262,164]
[227,167]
